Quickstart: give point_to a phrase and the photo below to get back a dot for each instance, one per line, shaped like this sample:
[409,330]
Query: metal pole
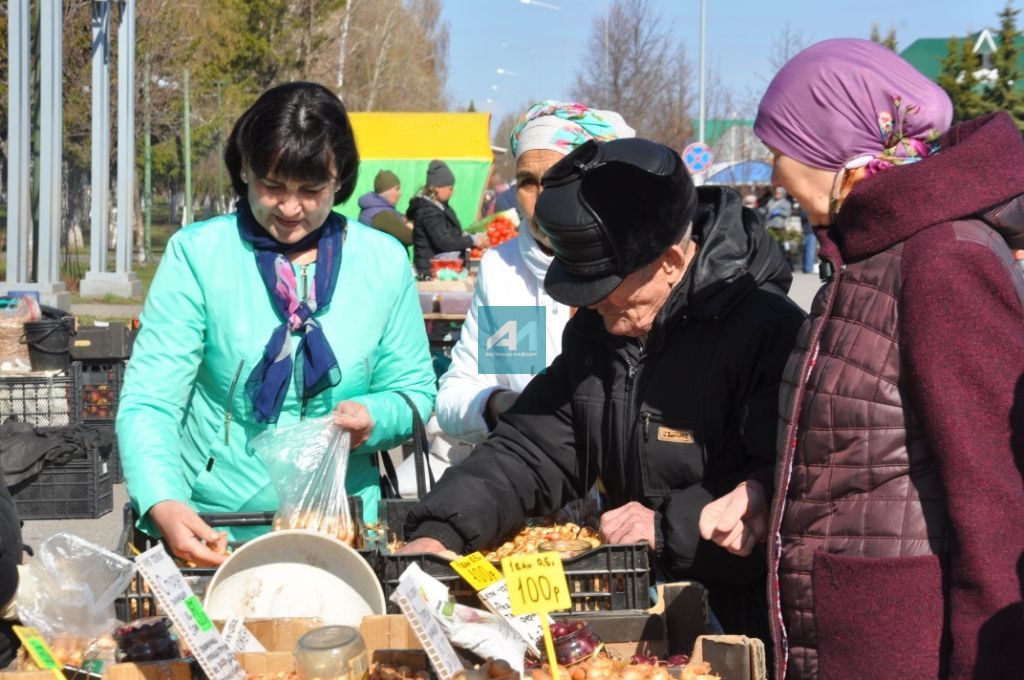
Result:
[51,137]
[220,157]
[703,44]
[188,156]
[125,136]
[100,161]
[19,179]
[147,168]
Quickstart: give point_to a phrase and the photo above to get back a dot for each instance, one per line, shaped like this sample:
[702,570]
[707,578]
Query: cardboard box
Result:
[389,631]
[670,627]
[733,657]
[278,635]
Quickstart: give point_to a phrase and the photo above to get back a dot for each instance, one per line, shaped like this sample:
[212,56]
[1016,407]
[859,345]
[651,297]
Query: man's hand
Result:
[631,523]
[190,537]
[427,545]
[737,521]
[354,417]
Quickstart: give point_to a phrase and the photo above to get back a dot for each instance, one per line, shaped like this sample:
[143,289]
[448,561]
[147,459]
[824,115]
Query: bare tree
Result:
[785,46]
[634,66]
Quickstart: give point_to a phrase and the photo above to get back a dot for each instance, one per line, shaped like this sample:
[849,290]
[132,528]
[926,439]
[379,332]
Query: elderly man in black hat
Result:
[666,388]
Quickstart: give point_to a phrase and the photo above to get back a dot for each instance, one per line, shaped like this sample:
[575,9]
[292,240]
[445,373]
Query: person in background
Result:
[436,227]
[778,210]
[377,207]
[278,312]
[667,385]
[750,201]
[810,244]
[512,274]
[895,539]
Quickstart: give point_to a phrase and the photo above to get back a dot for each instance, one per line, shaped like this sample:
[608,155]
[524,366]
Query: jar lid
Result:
[329,637]
[568,548]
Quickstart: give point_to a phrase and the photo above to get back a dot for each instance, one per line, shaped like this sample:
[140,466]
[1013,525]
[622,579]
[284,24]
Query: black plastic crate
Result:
[606,579]
[44,401]
[137,602]
[99,389]
[111,455]
[81,488]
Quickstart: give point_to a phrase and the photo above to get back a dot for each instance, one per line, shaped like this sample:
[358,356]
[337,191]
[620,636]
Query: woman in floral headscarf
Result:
[895,536]
[512,274]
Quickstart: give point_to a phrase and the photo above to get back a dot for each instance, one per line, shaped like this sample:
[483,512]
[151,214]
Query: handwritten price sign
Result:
[536,585]
[478,572]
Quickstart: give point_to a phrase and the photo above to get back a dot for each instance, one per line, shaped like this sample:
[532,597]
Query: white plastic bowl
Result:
[295,573]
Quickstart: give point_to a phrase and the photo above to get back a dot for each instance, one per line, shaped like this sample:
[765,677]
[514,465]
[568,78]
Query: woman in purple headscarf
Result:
[895,533]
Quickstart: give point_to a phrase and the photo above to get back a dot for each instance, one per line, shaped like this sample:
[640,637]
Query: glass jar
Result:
[579,643]
[568,549]
[331,652]
[150,639]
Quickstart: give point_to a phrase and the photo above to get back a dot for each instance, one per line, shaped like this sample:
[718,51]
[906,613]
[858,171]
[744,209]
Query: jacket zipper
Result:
[230,408]
[645,418]
[305,298]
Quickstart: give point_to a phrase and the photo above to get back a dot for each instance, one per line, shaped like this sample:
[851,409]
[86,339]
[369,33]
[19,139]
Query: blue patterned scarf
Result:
[318,370]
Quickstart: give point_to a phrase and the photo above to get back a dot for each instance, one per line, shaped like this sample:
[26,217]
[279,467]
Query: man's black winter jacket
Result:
[673,422]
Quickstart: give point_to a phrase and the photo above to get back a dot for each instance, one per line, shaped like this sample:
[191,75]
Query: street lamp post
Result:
[703,44]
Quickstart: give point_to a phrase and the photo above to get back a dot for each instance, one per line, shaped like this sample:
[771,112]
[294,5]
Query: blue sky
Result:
[541,46]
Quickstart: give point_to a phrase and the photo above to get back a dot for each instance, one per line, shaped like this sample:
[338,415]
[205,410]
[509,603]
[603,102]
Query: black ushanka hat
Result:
[610,209]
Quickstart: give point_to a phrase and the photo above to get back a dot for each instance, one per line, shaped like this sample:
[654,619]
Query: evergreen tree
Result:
[888,41]
[1003,93]
[958,80]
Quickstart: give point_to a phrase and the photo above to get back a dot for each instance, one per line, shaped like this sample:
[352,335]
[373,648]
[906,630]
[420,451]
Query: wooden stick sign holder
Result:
[537,585]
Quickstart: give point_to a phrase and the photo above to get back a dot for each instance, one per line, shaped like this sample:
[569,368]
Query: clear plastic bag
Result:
[308,462]
[67,592]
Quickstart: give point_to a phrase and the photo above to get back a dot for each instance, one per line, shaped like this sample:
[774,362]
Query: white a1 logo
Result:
[511,333]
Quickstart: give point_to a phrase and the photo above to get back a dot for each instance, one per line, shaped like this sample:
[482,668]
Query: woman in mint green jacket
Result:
[281,311]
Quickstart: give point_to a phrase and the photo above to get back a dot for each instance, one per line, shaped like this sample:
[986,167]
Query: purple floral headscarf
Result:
[849,103]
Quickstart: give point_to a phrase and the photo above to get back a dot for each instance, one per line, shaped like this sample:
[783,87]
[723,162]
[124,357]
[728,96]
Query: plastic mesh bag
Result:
[308,462]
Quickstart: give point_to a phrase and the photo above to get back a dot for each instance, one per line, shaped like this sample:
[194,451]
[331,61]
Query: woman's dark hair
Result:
[296,131]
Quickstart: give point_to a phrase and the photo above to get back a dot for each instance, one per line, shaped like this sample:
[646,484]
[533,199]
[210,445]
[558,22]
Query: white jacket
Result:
[511,274]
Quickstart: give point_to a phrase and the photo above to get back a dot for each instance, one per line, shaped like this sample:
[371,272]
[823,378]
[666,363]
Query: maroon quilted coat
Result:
[897,532]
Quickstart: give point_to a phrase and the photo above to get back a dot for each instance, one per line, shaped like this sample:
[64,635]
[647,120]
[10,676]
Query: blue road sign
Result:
[697,157]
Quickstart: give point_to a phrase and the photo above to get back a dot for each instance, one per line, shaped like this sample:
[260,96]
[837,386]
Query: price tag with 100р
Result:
[492,589]
[536,583]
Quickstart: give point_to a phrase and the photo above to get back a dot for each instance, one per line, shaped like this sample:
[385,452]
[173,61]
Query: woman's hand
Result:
[737,521]
[354,417]
[480,240]
[189,537]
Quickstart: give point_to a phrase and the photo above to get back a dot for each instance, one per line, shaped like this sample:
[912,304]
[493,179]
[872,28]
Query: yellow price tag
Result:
[478,572]
[38,649]
[536,583]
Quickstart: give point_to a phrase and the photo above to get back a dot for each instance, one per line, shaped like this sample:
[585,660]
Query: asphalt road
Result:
[106,530]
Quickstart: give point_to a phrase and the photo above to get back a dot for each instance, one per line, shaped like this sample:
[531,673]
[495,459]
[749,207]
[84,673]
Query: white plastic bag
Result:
[69,588]
[308,462]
